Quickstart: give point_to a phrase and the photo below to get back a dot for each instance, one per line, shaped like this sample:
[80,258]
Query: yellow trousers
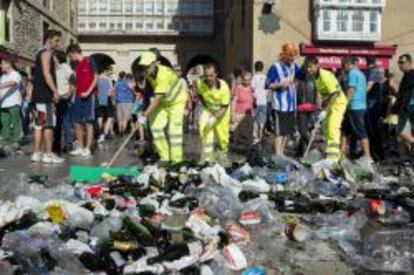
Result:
[170,150]
[333,124]
[219,133]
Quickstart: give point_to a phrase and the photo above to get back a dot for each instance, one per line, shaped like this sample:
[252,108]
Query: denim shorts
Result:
[83,110]
[354,124]
[261,114]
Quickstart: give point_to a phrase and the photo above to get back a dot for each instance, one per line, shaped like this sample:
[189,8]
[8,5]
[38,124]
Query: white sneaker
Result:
[52,158]
[86,153]
[36,157]
[76,152]
[101,138]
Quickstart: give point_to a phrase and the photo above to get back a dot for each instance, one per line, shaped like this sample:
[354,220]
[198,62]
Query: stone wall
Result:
[28,27]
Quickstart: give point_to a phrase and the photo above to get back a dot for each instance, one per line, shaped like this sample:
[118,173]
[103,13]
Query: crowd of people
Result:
[71,104]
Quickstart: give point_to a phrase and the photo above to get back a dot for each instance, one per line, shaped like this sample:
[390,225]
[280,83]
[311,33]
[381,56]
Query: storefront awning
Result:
[331,56]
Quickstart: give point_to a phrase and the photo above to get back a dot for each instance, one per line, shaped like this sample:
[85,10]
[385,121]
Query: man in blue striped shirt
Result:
[281,81]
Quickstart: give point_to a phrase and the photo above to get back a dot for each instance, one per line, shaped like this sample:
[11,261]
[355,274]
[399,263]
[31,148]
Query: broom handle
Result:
[121,148]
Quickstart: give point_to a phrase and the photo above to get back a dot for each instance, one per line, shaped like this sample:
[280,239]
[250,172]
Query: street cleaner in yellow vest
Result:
[334,104]
[214,122]
[165,110]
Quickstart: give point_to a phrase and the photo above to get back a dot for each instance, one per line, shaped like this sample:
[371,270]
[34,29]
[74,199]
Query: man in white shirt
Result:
[64,123]
[10,102]
[261,96]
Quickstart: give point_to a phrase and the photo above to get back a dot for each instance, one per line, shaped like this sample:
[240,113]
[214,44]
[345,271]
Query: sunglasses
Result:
[402,62]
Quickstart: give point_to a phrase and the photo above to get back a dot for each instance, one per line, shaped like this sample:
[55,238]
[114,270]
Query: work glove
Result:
[142,120]
[322,115]
[211,121]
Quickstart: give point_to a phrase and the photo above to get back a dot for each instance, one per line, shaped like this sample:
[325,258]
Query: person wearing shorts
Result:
[86,75]
[261,96]
[281,80]
[354,122]
[124,97]
[105,111]
[44,96]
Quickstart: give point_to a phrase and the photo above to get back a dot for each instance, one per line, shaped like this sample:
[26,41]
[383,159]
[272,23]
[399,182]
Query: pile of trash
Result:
[190,219]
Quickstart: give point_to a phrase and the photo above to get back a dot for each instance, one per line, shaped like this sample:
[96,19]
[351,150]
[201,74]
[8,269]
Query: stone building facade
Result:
[25,22]
[329,29]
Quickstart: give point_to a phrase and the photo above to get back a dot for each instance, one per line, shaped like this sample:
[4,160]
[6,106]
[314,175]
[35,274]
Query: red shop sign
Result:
[336,62]
[379,50]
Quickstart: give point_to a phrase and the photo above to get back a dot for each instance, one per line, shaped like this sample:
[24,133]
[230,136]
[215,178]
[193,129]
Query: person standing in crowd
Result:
[64,80]
[390,120]
[86,76]
[45,94]
[261,96]
[124,98]
[281,80]
[376,79]
[166,108]
[105,111]
[334,104]
[243,105]
[10,103]
[214,122]
[354,122]
[308,104]
[27,86]
[404,104]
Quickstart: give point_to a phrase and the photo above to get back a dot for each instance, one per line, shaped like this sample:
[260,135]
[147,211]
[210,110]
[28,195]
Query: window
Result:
[112,26]
[139,25]
[119,26]
[243,13]
[327,20]
[172,7]
[149,7]
[47,4]
[149,25]
[46,27]
[373,21]
[93,6]
[128,26]
[103,6]
[139,7]
[92,25]
[102,25]
[342,21]
[160,25]
[8,35]
[128,6]
[159,7]
[82,26]
[358,21]
[115,6]
[232,33]
[82,6]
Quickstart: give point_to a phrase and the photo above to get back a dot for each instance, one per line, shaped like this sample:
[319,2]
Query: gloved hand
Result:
[142,120]
[322,115]
[211,121]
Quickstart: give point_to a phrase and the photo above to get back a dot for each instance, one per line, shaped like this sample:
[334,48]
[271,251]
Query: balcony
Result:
[371,4]
[142,25]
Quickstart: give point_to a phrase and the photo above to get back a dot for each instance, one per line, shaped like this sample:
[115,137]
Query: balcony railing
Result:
[349,3]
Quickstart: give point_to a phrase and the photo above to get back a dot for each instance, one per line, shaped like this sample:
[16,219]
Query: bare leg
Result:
[279,146]
[407,137]
[108,125]
[89,135]
[365,148]
[79,135]
[48,140]
[141,133]
[37,140]
[344,145]
[100,123]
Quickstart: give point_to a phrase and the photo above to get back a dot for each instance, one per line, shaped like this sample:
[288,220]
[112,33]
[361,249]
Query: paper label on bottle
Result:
[250,218]
[238,234]
[195,248]
[235,257]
